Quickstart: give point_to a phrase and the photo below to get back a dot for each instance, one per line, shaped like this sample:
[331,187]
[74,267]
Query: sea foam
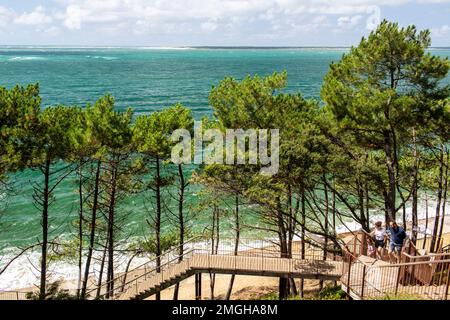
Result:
[25,58]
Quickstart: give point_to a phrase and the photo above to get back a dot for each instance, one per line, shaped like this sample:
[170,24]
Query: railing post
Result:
[348,276]
[289,267]
[262,255]
[136,286]
[198,286]
[448,282]
[363,282]
[397,282]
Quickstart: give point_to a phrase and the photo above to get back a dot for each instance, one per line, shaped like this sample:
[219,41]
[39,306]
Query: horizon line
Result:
[185,47]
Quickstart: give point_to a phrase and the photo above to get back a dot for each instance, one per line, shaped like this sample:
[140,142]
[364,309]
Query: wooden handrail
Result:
[430,255]
[142,265]
[396,265]
[154,270]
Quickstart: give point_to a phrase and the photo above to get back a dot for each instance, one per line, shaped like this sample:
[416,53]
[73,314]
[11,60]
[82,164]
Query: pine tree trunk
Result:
[80,229]
[390,165]
[426,222]
[124,281]
[42,288]
[92,231]
[325,247]
[433,245]
[292,289]
[366,190]
[102,268]
[236,243]
[414,191]
[181,224]
[333,206]
[444,200]
[111,222]
[302,235]
[214,247]
[283,287]
[158,221]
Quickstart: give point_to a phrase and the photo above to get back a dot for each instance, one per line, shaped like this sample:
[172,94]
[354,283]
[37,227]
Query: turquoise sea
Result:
[145,79]
[151,79]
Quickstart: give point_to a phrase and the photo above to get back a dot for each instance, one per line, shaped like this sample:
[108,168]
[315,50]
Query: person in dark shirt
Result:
[397,238]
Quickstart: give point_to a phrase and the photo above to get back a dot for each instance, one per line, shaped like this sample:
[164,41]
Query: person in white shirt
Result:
[379,237]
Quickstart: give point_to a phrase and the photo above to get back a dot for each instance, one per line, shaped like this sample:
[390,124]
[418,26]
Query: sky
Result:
[212,22]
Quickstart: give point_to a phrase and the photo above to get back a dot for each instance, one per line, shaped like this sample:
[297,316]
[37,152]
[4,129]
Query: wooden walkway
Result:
[374,279]
[416,277]
[145,285]
[360,276]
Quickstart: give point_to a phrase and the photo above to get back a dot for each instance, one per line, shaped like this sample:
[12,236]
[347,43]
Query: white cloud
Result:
[374,18]
[72,18]
[52,31]
[209,26]
[433,1]
[6,15]
[280,18]
[441,32]
[199,13]
[348,21]
[36,17]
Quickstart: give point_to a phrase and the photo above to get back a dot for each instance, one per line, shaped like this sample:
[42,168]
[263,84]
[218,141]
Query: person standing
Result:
[397,238]
[379,238]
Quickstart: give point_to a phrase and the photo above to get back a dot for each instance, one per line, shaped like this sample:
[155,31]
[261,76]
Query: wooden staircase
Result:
[418,276]
[145,285]
[260,260]
[360,276]
[148,285]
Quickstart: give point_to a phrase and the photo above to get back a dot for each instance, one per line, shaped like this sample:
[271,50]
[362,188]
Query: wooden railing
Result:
[426,280]
[422,277]
[13,295]
[265,255]
[121,281]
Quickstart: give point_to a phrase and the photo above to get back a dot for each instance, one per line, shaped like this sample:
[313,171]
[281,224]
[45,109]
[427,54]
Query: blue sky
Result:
[212,22]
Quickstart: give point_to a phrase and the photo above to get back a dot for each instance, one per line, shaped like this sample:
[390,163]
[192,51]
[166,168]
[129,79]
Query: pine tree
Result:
[381,89]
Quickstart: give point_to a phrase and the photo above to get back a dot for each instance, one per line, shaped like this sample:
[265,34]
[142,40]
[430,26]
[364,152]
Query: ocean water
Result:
[150,79]
[145,79]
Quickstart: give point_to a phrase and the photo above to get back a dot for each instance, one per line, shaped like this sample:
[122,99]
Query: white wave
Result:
[102,57]
[377,216]
[163,48]
[25,58]
[22,273]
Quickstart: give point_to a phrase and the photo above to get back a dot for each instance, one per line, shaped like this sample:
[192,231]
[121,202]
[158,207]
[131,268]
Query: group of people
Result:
[380,236]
